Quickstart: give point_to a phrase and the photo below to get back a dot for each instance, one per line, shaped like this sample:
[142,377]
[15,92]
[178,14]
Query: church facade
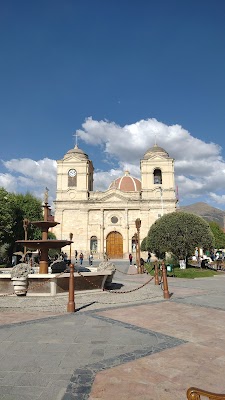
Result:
[104,222]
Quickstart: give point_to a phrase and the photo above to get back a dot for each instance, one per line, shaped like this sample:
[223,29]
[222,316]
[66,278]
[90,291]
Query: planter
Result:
[20,286]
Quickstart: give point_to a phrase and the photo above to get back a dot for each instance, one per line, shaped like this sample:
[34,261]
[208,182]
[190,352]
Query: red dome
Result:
[126,183]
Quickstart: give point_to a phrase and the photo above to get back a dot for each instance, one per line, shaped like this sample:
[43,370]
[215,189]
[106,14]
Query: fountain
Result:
[44,244]
[41,283]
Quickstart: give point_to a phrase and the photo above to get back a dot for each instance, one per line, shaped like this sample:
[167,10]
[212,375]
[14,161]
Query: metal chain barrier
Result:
[128,291]
[115,291]
[125,273]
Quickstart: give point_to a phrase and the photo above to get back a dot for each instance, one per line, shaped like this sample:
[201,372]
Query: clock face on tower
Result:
[72,173]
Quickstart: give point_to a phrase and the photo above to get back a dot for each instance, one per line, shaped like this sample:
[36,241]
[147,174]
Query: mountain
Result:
[205,211]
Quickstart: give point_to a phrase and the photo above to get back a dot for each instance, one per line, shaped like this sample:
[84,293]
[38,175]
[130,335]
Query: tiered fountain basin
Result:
[55,284]
[44,246]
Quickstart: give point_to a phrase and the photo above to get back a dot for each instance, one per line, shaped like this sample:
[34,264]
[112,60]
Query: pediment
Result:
[157,157]
[114,195]
[74,158]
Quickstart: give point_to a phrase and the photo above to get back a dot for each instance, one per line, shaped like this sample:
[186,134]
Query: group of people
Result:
[81,258]
[141,259]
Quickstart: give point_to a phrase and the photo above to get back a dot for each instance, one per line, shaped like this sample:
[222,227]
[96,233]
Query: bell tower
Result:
[157,178]
[74,176]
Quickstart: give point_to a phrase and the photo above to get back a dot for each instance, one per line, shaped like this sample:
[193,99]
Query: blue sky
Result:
[119,73]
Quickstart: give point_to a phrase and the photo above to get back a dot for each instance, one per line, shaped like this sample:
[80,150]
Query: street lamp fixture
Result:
[138,252]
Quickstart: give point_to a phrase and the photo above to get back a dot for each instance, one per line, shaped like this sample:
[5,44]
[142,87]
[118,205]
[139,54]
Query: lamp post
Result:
[136,241]
[26,222]
[138,226]
[71,238]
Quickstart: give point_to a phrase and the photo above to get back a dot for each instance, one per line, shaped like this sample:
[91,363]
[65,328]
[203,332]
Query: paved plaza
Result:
[118,345]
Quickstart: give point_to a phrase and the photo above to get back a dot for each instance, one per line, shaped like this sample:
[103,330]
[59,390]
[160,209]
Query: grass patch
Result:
[190,272]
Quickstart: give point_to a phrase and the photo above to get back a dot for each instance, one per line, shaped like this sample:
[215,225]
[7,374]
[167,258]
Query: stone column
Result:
[127,226]
[102,228]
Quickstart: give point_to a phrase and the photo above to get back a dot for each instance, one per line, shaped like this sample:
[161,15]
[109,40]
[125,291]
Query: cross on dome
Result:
[76,136]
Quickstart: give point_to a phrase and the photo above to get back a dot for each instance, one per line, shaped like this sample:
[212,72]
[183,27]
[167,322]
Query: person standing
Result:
[91,259]
[81,258]
[149,257]
[75,256]
[130,258]
[142,265]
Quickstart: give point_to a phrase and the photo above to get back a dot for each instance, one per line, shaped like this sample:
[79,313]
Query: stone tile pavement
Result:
[117,345]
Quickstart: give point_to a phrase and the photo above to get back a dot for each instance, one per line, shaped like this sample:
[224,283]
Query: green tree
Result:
[6,217]
[14,208]
[218,234]
[144,244]
[179,233]
[27,206]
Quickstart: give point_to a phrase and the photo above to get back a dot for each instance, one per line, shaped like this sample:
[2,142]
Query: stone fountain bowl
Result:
[47,244]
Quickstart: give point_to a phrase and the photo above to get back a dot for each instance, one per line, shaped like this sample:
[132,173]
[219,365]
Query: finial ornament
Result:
[46,195]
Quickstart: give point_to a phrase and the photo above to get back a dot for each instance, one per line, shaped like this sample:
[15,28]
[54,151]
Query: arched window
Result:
[72,177]
[157,176]
[94,244]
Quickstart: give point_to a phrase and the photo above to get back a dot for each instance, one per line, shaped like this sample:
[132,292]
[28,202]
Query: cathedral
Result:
[104,222]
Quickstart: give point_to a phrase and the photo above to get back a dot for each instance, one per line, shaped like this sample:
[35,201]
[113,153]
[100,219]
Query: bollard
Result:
[156,274]
[166,294]
[71,303]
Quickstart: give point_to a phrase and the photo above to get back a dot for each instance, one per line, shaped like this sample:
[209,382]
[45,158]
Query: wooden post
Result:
[156,274]
[166,294]
[71,303]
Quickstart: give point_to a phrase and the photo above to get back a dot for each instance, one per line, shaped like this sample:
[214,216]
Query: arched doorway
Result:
[114,245]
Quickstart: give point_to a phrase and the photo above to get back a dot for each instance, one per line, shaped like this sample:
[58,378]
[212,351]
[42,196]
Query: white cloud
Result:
[9,182]
[102,179]
[197,163]
[41,170]
[30,176]
[218,199]
[199,166]
[130,142]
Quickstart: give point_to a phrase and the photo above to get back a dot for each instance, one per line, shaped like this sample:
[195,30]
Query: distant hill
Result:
[205,211]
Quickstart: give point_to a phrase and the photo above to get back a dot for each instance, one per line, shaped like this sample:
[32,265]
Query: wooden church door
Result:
[114,245]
